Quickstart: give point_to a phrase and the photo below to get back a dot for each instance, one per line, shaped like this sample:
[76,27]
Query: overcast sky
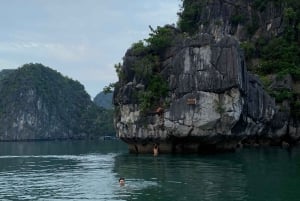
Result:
[82,39]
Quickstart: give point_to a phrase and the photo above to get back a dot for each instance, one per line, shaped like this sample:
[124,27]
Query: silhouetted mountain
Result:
[104,100]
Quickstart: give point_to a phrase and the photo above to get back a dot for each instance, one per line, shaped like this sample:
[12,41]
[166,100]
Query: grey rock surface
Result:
[214,103]
[213,100]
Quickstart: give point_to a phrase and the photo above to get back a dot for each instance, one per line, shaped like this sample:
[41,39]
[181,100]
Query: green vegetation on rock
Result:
[190,15]
[146,67]
[268,32]
[39,103]
[278,55]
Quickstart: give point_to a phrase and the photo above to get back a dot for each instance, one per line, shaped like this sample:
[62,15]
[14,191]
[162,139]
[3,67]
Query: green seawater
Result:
[82,170]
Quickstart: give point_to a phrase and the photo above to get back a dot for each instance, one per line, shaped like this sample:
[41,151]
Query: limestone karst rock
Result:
[38,103]
[212,101]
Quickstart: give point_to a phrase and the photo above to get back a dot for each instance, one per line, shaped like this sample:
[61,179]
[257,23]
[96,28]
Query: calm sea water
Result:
[90,170]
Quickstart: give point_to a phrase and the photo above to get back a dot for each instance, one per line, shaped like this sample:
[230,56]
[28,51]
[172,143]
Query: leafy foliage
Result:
[146,66]
[190,15]
[118,69]
[148,53]
[279,55]
[265,80]
[160,39]
[109,89]
[281,95]
[138,48]
[249,49]
[156,89]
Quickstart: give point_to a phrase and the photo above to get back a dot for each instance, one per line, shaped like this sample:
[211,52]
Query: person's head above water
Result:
[122,181]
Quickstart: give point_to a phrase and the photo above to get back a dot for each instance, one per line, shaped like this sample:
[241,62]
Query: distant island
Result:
[104,100]
[38,103]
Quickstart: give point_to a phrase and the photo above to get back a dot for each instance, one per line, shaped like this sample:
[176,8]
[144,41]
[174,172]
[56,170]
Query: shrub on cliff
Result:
[190,15]
[160,39]
[146,66]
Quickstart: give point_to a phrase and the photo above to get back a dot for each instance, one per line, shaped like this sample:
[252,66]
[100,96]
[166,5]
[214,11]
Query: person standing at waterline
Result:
[155,150]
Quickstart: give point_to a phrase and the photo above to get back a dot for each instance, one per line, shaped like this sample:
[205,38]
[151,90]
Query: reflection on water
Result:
[90,171]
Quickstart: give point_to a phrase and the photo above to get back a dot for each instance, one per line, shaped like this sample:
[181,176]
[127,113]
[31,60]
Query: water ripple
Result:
[245,176]
[57,177]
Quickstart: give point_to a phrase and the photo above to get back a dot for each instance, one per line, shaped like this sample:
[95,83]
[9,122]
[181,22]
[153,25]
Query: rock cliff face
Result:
[213,102]
[38,103]
[242,19]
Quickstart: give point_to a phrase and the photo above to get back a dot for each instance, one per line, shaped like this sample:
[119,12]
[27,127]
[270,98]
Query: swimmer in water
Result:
[122,181]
